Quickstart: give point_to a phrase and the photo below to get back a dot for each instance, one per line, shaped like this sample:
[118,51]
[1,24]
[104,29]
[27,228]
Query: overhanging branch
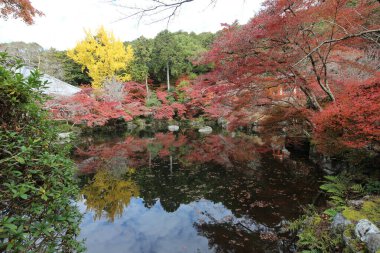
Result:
[363,33]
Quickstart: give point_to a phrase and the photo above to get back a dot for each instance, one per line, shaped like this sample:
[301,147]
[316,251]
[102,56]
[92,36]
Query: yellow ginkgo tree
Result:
[103,56]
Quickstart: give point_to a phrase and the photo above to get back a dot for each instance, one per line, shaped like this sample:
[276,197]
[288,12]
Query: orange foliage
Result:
[21,9]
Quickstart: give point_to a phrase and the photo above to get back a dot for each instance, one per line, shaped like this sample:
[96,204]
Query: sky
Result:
[64,22]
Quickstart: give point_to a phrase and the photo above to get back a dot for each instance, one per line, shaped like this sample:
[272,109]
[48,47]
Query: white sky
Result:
[64,21]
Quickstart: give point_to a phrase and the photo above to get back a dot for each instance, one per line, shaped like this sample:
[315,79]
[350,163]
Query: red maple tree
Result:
[21,9]
[293,54]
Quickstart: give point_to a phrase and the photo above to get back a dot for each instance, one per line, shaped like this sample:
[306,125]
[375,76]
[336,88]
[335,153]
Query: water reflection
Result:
[108,195]
[213,193]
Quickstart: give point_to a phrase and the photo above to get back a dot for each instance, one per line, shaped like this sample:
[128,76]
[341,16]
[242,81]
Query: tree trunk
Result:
[308,92]
[167,75]
[147,87]
[171,165]
[329,93]
[311,98]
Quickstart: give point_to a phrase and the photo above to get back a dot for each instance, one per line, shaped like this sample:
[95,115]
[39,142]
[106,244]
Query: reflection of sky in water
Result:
[145,230]
[142,229]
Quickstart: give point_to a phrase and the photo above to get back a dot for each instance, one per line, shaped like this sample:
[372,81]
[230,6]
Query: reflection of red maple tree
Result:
[222,150]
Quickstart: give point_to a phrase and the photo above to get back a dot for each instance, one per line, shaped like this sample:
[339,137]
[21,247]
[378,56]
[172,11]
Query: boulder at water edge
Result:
[205,130]
[367,232]
[173,128]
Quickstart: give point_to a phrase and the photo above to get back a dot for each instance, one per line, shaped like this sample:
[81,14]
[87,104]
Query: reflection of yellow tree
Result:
[110,194]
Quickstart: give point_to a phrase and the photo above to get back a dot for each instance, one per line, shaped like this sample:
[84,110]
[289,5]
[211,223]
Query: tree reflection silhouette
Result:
[109,194]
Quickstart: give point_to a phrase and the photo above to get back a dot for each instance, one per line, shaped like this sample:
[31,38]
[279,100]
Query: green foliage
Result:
[37,179]
[153,100]
[73,73]
[181,94]
[63,127]
[314,234]
[171,98]
[373,186]
[341,188]
[142,49]
[352,3]
[177,50]
[192,76]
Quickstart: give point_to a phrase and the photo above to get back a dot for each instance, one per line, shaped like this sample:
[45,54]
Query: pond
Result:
[186,192]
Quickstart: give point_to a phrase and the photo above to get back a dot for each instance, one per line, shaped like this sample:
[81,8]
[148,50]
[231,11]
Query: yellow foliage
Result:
[109,194]
[104,56]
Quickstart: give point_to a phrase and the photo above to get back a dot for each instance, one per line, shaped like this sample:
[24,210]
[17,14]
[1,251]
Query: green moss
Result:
[352,214]
[370,210]
[317,220]
[348,232]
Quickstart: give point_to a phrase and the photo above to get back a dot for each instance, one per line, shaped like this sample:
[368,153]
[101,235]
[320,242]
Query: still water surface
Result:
[184,192]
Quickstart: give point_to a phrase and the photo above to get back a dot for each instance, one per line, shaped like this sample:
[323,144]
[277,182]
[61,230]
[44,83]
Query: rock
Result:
[173,128]
[64,135]
[196,123]
[373,243]
[131,126]
[339,222]
[222,122]
[367,232]
[285,152]
[205,130]
[376,147]
[357,204]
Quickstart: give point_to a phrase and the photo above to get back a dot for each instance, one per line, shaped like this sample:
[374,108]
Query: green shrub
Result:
[192,76]
[153,100]
[36,178]
[314,234]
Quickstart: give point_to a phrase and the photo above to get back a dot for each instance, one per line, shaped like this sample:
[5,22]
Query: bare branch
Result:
[169,8]
[363,33]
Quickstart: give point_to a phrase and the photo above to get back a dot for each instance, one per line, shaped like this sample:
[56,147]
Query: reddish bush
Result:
[353,120]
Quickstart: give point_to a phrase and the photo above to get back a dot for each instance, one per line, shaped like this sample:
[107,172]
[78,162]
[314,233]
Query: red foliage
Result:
[85,109]
[354,120]
[97,107]
[292,60]
[180,109]
[139,152]
[163,112]
[22,9]
[134,92]
[162,95]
